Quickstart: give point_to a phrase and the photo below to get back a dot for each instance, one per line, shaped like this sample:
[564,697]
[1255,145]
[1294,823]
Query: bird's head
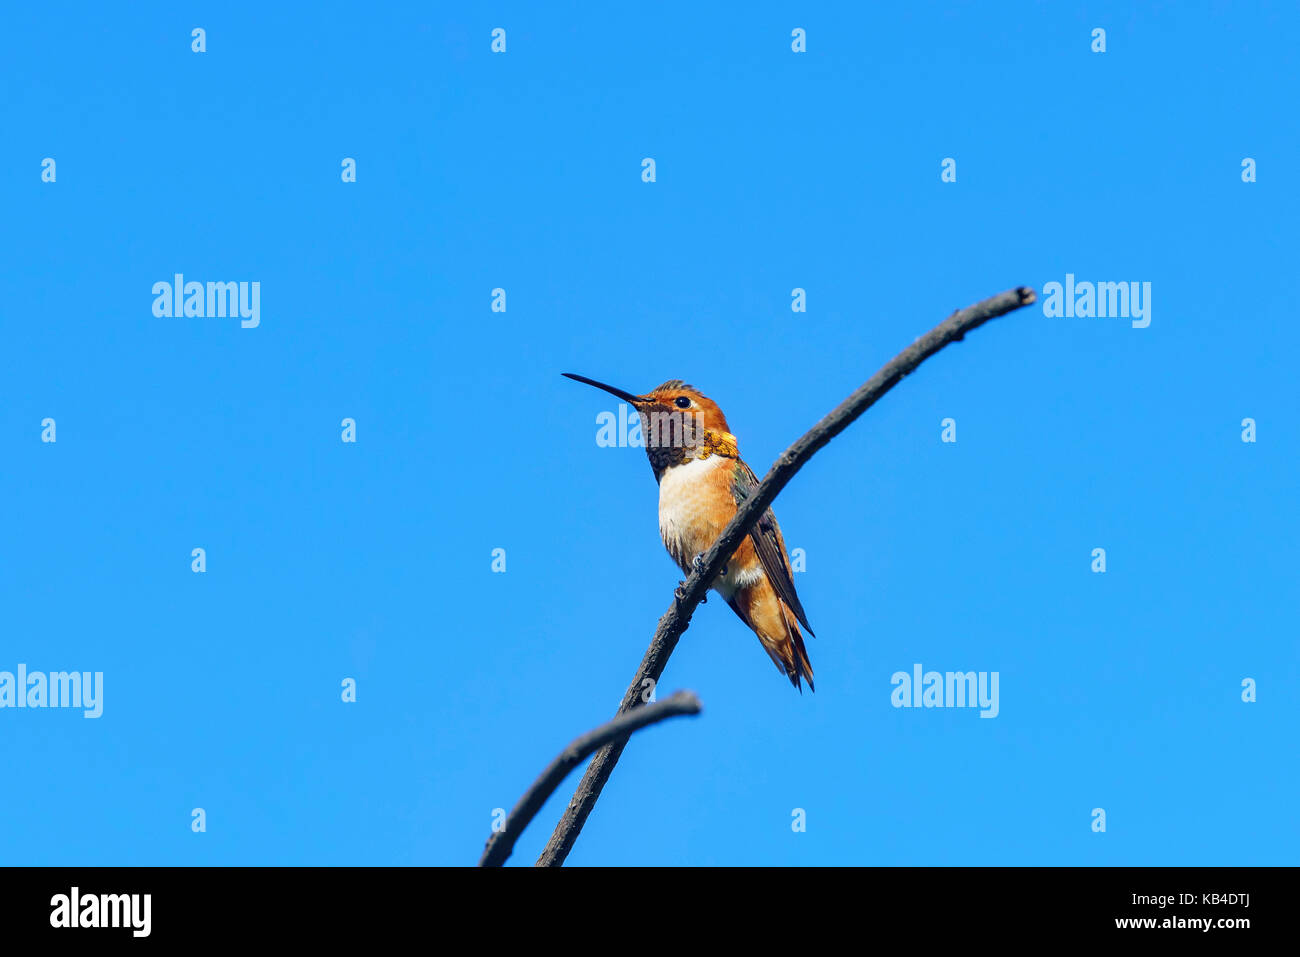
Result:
[678,422]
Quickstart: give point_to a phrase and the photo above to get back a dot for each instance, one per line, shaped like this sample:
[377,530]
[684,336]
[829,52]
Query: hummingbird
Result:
[702,481]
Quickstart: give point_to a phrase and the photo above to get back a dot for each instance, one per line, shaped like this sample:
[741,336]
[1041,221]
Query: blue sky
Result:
[774,170]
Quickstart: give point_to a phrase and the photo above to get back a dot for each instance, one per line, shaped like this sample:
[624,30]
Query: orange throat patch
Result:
[718,443]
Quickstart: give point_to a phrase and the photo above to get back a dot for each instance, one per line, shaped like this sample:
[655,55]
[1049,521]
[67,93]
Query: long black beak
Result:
[625,396]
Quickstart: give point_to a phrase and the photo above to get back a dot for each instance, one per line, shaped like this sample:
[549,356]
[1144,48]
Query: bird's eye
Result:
[682,402]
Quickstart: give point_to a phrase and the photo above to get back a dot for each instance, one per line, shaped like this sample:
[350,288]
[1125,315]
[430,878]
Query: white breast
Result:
[686,500]
[688,516]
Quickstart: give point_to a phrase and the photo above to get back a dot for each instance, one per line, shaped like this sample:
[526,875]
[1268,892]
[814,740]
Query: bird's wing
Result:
[768,543]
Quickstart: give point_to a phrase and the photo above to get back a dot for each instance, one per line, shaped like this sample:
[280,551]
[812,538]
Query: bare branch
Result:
[678,617]
[502,843]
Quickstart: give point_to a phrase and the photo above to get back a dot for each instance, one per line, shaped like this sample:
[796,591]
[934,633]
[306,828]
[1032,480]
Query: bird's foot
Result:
[698,562]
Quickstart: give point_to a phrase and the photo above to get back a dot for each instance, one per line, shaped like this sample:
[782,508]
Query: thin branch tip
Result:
[628,721]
